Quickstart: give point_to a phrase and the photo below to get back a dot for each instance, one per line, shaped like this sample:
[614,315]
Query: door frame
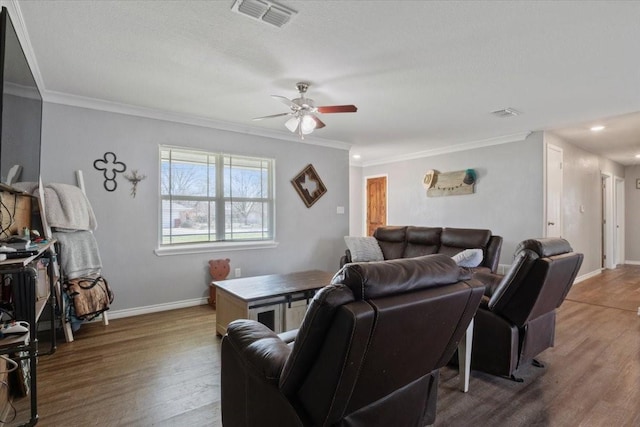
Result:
[608,226]
[620,218]
[545,185]
[365,194]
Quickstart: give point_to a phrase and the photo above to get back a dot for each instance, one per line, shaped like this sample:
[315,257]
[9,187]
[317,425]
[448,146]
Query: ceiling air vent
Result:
[264,11]
[507,112]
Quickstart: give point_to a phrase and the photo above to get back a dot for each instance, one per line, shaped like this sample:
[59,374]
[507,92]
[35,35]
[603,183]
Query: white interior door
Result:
[620,218]
[553,190]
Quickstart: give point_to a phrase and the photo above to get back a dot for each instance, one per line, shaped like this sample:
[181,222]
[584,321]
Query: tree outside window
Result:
[215,197]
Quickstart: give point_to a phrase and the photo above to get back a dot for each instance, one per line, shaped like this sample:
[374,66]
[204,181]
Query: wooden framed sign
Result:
[309,185]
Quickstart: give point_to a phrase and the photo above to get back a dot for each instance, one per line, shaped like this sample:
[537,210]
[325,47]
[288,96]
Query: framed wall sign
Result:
[309,185]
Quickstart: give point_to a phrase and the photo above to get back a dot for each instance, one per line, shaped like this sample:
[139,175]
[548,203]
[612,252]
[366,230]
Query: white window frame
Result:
[220,199]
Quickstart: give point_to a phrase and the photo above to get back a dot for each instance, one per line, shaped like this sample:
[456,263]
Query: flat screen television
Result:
[20,108]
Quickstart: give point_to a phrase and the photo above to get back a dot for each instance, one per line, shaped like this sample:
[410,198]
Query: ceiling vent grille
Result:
[507,112]
[264,11]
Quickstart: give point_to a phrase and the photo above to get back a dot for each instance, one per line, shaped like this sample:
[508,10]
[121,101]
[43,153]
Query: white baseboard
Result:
[630,262]
[129,312]
[503,268]
[587,276]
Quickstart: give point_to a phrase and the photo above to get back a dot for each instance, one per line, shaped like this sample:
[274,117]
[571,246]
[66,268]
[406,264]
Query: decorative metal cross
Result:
[134,179]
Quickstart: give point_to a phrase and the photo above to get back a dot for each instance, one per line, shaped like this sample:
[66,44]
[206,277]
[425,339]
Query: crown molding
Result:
[13,6]
[150,113]
[447,150]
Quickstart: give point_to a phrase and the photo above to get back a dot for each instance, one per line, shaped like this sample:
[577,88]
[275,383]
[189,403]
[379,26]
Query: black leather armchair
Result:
[367,353]
[517,316]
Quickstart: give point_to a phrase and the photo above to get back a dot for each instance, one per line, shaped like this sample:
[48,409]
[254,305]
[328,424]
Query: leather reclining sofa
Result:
[412,241]
[367,352]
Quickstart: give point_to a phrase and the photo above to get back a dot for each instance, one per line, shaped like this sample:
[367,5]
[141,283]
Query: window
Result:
[215,197]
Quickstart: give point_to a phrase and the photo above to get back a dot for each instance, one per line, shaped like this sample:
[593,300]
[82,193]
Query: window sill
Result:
[214,247]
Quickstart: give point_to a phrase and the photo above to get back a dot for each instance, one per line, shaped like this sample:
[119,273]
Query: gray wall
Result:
[632,207]
[581,176]
[309,238]
[507,199]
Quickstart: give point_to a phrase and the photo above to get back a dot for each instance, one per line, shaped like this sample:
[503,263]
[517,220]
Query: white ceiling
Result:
[425,75]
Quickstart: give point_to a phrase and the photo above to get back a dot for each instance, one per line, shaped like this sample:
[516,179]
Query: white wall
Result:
[507,198]
[356,201]
[309,238]
[632,221]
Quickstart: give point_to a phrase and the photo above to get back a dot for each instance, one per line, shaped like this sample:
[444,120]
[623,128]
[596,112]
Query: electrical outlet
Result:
[238,272]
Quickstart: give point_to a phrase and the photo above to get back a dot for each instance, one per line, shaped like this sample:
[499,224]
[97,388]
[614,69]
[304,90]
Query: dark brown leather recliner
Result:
[517,317]
[367,353]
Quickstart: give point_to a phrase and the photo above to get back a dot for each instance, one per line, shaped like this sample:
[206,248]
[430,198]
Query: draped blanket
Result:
[67,207]
[79,255]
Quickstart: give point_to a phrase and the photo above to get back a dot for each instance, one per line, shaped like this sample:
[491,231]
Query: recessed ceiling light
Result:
[597,128]
[637,156]
[356,156]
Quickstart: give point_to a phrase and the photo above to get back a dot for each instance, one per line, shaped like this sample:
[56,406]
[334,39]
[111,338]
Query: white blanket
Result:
[67,207]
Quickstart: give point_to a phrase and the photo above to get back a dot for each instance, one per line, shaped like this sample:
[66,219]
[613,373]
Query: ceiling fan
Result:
[303,120]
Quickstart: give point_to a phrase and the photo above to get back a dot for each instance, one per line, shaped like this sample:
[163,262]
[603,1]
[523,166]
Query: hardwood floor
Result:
[164,369]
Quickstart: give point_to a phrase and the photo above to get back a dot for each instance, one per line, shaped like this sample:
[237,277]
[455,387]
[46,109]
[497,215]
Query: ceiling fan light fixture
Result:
[292,124]
[307,124]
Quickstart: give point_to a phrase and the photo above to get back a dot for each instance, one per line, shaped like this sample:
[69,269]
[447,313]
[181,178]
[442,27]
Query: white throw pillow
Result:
[364,248]
[468,258]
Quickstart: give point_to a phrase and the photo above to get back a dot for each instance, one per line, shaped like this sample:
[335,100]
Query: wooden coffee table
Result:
[277,300]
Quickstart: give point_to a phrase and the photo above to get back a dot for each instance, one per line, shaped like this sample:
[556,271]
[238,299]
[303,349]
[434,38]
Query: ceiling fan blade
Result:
[286,101]
[319,123]
[337,109]
[272,116]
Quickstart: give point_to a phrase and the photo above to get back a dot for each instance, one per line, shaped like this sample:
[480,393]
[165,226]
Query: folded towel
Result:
[79,255]
[67,207]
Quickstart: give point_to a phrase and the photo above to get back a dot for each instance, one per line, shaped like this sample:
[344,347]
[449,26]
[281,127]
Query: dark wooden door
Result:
[376,203]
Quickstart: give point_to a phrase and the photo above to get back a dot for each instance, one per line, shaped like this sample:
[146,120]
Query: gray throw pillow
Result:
[363,249]
[468,258]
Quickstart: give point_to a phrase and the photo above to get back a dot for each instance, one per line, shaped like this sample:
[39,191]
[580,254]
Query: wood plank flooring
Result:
[164,369]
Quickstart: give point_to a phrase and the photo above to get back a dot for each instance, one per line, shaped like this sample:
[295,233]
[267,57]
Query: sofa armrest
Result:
[251,364]
[492,255]
[258,347]
[489,280]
